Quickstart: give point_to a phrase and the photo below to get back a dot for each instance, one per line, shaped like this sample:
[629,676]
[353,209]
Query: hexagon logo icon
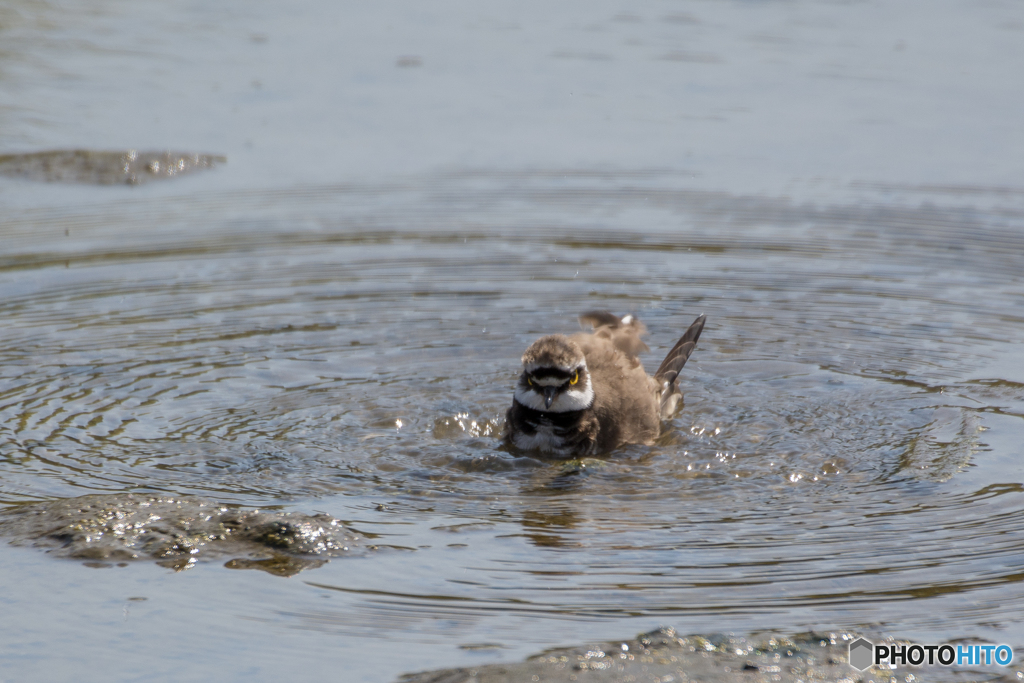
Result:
[861,654]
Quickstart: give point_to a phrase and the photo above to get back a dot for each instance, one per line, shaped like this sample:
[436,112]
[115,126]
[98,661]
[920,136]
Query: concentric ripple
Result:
[835,454]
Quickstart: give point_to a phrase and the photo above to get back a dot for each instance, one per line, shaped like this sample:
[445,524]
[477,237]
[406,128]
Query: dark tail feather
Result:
[669,369]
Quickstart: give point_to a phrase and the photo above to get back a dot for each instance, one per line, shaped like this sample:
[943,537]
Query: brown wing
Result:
[598,319]
[624,333]
[625,399]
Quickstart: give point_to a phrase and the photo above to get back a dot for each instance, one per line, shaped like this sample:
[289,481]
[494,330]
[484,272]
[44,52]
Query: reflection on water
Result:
[358,344]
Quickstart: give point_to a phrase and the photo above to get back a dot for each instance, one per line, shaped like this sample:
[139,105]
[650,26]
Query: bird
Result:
[588,393]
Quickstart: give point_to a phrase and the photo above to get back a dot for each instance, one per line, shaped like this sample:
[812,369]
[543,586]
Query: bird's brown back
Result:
[625,397]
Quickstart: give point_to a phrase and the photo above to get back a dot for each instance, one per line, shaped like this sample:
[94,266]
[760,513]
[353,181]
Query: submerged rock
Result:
[177,531]
[131,167]
[663,656]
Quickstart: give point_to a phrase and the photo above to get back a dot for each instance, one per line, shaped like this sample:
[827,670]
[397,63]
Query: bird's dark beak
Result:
[549,395]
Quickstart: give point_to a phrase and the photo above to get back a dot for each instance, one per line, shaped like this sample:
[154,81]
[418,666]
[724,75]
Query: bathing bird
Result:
[589,393]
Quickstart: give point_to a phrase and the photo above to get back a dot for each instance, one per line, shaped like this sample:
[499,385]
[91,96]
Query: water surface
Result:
[846,457]
[332,323]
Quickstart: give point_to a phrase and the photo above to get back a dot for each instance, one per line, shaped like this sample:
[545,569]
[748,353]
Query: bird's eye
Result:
[575,377]
[529,380]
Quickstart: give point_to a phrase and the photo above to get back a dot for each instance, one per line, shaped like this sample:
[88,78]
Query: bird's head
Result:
[555,377]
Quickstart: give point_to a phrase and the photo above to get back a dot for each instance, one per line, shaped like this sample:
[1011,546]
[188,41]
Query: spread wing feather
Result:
[669,369]
[676,358]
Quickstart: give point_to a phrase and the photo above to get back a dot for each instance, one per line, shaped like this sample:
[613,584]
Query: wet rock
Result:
[663,656]
[131,167]
[177,532]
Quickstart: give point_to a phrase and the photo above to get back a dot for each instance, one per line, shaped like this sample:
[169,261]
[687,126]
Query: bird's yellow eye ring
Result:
[529,380]
[575,377]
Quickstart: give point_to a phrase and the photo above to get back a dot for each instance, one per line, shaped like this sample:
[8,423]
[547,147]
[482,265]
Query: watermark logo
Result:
[864,653]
